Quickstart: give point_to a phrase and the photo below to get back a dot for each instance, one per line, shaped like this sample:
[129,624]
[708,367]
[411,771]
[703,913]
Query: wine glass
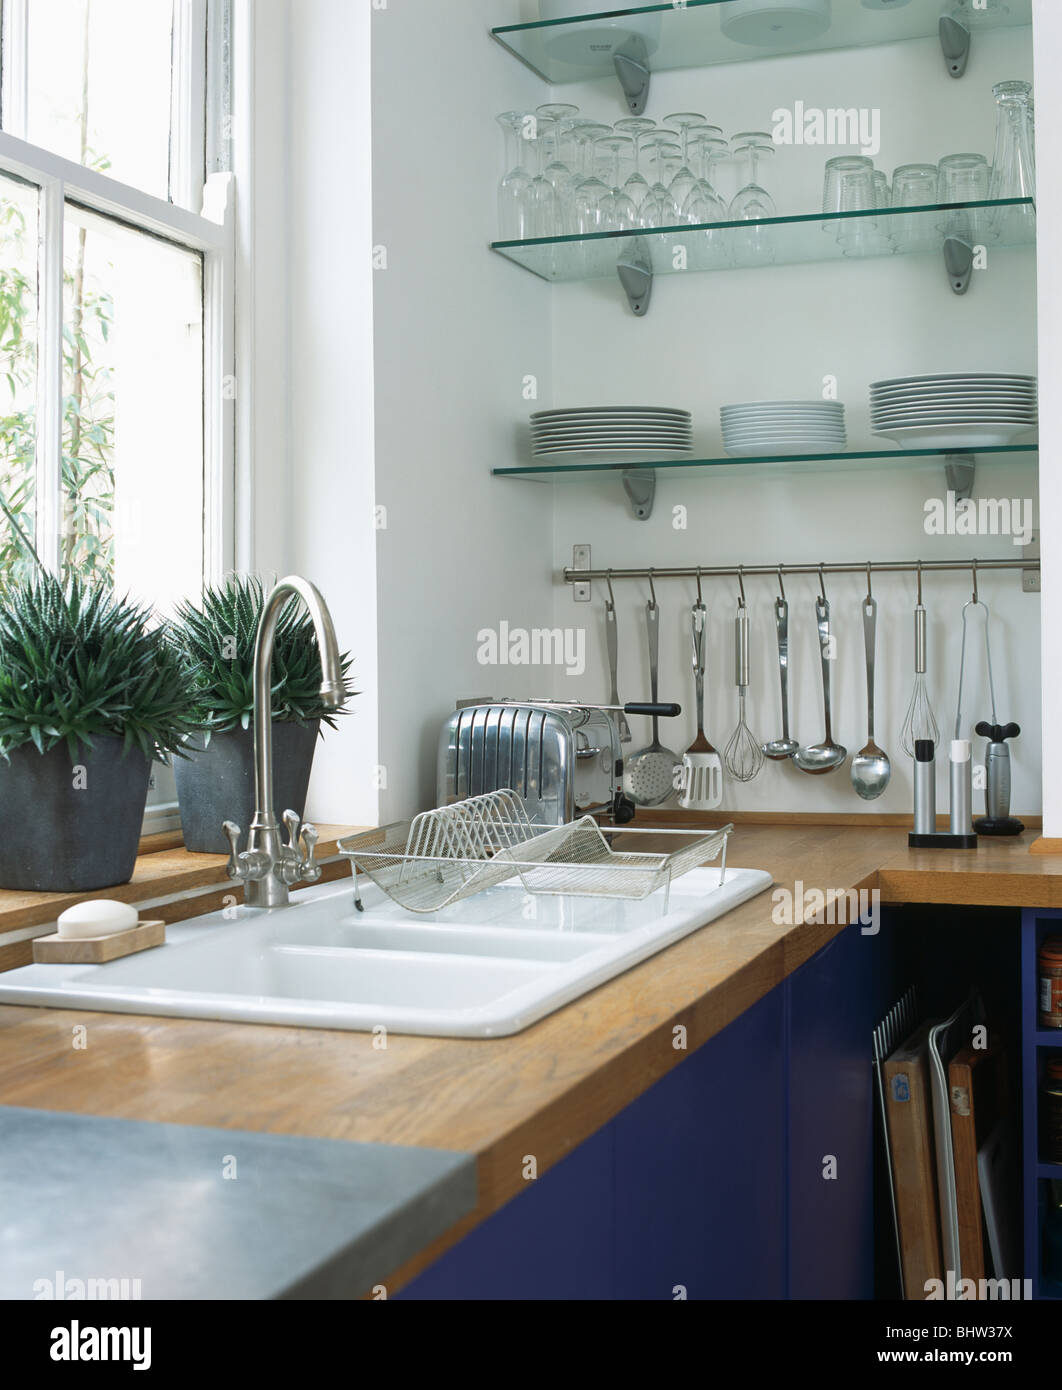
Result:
[583,211]
[618,213]
[543,205]
[683,183]
[753,203]
[704,203]
[512,190]
[659,208]
[637,186]
[556,120]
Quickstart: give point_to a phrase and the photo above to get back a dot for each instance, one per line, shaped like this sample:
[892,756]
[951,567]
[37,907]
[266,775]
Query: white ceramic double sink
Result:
[485,967]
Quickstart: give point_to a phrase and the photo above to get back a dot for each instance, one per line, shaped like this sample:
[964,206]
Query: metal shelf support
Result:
[640,486]
[959,472]
[955,45]
[959,263]
[632,69]
[635,270]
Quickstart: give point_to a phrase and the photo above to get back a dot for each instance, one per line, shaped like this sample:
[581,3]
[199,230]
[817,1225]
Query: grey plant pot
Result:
[71,825]
[216,783]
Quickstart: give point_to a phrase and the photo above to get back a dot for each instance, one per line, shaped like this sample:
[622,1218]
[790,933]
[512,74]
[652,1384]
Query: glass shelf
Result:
[809,238]
[693,35]
[851,460]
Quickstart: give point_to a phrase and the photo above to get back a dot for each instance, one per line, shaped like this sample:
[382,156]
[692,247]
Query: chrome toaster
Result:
[564,761]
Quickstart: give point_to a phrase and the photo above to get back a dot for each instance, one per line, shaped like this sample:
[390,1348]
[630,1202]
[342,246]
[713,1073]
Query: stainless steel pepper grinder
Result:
[997,819]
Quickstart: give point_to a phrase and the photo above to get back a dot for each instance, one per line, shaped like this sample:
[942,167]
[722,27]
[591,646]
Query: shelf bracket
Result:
[632,69]
[635,270]
[640,486]
[960,470]
[955,45]
[959,263]
[581,588]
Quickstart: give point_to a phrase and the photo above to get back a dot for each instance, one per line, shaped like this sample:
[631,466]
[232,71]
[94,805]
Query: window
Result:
[116,295]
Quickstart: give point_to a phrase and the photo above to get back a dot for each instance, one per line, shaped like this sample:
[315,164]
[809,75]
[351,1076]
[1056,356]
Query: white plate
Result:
[769,441]
[746,451]
[766,430]
[829,426]
[809,416]
[610,431]
[966,378]
[634,423]
[685,420]
[996,394]
[943,417]
[584,410]
[603,455]
[764,405]
[958,437]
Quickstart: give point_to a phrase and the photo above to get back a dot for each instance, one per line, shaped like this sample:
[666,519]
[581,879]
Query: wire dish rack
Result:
[442,856]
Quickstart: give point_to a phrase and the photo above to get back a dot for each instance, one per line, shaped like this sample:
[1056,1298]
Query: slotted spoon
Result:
[649,774]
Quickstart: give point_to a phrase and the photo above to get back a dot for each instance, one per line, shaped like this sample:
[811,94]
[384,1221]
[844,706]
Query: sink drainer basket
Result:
[442,856]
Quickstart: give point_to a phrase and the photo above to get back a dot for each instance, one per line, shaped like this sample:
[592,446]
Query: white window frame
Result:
[210,232]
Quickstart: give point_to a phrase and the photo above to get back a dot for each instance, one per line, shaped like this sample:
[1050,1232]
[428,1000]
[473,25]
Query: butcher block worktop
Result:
[540,1092]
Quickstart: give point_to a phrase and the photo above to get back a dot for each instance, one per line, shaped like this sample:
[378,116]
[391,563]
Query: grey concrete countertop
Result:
[212,1213]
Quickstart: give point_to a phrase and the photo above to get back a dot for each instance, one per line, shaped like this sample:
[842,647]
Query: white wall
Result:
[457,331]
[714,339]
[305,358]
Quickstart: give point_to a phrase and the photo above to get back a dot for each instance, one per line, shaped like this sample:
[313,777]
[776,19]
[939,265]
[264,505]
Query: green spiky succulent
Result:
[78,663]
[216,641]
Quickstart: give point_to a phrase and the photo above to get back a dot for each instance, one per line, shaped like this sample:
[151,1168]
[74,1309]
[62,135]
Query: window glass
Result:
[18,375]
[132,410]
[99,86]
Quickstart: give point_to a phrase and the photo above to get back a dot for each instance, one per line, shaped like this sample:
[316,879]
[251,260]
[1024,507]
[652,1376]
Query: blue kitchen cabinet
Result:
[710,1185]
[833,1003]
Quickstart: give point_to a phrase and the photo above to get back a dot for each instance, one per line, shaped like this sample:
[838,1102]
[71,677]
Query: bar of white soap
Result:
[101,917]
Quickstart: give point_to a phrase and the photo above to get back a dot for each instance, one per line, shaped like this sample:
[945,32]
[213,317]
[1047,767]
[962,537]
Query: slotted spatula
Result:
[702,767]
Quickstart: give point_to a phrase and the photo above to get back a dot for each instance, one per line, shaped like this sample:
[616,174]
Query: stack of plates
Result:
[766,428]
[971,410]
[648,431]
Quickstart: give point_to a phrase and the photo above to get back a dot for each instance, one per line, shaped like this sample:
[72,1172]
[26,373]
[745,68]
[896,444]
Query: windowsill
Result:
[164,870]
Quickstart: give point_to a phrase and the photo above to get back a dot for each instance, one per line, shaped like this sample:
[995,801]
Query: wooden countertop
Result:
[541,1092]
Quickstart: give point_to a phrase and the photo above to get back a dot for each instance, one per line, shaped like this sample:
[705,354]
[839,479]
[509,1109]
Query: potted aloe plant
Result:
[215,640]
[90,693]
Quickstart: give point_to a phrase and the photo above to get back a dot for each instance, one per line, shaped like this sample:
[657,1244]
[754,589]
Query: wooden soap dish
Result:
[97,950]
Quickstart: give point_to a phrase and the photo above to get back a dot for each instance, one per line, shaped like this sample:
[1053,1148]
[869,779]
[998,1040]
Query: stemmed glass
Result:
[637,186]
[752,202]
[659,208]
[683,183]
[586,191]
[706,146]
[543,205]
[618,213]
[556,120]
[512,190]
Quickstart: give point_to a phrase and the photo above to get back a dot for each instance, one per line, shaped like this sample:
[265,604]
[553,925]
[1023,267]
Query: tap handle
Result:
[292,822]
[311,870]
[233,832]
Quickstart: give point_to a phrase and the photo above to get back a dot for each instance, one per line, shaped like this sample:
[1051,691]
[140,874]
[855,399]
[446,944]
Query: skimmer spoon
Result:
[649,776]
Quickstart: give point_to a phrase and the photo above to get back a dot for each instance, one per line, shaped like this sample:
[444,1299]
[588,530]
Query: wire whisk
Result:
[920,724]
[744,753]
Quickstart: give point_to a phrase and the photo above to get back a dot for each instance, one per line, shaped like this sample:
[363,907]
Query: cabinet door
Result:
[832,1009]
[700,1171]
[554,1242]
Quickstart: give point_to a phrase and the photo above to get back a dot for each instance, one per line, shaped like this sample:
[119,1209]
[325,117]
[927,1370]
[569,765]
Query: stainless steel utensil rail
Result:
[577,576]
